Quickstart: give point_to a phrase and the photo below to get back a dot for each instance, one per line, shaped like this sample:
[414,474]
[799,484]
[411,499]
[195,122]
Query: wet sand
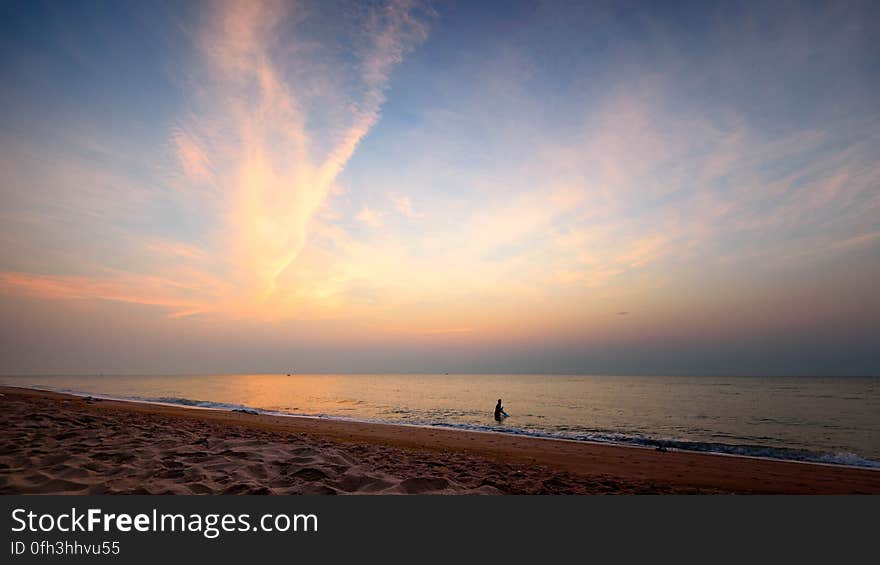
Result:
[62,444]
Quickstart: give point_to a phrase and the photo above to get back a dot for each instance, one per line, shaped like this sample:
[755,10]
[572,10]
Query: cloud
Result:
[857,240]
[611,188]
[192,157]
[643,251]
[448,331]
[275,182]
[370,217]
[403,204]
[166,248]
[182,298]
[248,136]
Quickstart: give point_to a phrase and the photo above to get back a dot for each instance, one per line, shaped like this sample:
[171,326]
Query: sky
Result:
[402,186]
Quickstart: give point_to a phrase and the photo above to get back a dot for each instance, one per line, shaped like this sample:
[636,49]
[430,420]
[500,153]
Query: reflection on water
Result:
[827,415]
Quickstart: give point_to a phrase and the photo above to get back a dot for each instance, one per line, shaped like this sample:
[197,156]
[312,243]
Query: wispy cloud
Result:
[192,156]
[506,194]
[274,181]
[248,137]
[404,205]
[180,297]
[370,217]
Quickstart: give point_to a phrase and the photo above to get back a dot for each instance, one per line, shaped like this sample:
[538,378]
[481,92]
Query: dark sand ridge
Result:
[56,443]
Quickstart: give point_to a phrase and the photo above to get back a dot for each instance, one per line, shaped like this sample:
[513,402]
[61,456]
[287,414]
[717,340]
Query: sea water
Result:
[830,420]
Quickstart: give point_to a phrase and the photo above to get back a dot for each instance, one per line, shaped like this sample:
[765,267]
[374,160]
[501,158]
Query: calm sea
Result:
[832,420]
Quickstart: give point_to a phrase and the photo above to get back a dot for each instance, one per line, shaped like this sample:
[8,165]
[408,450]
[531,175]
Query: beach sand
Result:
[61,444]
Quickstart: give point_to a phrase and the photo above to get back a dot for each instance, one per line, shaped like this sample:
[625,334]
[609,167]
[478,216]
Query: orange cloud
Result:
[370,217]
[403,204]
[248,137]
[193,159]
[136,289]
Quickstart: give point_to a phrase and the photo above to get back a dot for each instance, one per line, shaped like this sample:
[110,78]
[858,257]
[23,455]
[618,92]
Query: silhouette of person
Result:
[500,414]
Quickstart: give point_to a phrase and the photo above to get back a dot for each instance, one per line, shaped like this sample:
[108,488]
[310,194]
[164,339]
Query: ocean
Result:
[829,420]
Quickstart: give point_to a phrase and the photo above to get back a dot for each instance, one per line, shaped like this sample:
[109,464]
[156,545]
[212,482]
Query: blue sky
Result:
[405,186]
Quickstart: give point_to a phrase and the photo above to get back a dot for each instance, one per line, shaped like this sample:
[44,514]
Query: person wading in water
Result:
[500,414]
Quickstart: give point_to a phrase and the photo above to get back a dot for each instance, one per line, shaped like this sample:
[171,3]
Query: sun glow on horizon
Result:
[403,173]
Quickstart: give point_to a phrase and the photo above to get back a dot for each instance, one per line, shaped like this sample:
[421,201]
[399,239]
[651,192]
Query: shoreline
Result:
[357,457]
[320,417]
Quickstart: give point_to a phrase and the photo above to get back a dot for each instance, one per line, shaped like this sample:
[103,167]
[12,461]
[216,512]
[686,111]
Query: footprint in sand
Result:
[199,488]
[362,483]
[318,489]
[310,474]
[419,485]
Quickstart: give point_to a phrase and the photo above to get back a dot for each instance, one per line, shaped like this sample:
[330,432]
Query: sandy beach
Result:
[62,444]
